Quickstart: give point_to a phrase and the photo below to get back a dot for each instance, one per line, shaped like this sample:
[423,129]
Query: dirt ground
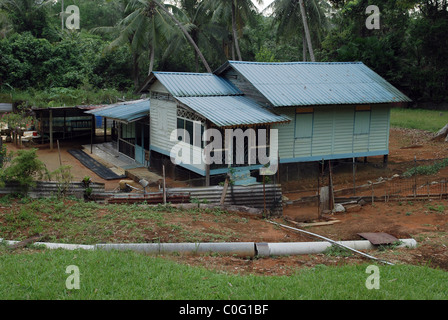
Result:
[425,221]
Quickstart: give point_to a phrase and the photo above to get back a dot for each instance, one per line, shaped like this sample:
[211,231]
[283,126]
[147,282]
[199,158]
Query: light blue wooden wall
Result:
[337,132]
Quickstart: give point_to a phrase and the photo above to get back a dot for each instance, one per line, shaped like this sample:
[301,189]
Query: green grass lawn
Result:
[41,275]
[429,120]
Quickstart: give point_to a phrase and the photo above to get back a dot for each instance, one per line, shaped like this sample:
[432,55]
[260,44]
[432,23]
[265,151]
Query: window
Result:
[362,120]
[304,125]
[194,129]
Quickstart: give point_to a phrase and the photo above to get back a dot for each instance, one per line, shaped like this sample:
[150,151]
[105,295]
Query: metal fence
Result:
[340,181]
[267,198]
[45,189]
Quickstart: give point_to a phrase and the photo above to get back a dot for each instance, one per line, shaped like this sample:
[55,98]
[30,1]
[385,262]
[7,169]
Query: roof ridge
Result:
[293,62]
[184,73]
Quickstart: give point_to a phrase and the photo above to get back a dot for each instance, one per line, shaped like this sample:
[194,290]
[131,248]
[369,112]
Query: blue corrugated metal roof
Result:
[229,111]
[126,111]
[196,84]
[307,83]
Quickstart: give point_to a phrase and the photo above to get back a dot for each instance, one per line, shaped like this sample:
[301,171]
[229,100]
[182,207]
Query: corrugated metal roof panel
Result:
[307,83]
[196,84]
[228,111]
[5,107]
[127,111]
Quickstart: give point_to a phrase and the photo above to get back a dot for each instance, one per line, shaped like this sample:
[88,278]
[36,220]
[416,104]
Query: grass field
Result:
[104,275]
[429,120]
[75,221]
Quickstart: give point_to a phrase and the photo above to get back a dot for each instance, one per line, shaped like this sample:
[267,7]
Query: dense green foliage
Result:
[121,41]
[76,60]
[24,168]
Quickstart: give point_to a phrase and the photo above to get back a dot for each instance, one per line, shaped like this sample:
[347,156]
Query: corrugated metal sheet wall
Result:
[333,133]
[249,196]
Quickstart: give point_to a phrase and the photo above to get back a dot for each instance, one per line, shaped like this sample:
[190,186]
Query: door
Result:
[140,142]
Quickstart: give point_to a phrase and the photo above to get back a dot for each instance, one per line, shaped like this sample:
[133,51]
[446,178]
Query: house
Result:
[322,111]
[196,102]
[130,129]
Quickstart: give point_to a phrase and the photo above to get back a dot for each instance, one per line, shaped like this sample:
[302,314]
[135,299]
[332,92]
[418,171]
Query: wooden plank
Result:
[315,224]
[26,242]
[224,191]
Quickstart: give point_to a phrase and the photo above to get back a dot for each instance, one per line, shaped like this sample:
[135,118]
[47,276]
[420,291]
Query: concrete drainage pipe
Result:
[299,248]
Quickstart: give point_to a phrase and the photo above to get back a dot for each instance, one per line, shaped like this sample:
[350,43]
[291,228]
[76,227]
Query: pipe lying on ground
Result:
[331,241]
[55,246]
[300,248]
[240,249]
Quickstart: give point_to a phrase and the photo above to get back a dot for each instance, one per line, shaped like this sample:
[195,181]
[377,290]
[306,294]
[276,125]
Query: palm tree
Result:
[184,31]
[5,25]
[149,25]
[27,15]
[134,33]
[237,12]
[197,19]
[287,13]
[307,30]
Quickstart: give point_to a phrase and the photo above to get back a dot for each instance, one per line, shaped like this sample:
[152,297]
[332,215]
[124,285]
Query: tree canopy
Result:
[121,41]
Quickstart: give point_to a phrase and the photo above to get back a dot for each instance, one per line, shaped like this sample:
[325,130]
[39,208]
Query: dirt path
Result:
[51,160]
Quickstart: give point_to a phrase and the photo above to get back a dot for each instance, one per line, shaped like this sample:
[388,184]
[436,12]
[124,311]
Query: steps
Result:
[242,177]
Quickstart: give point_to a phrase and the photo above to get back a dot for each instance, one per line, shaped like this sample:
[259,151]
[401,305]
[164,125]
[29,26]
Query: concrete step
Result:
[243,178]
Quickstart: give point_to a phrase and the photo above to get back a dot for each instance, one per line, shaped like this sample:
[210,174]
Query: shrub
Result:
[426,170]
[24,168]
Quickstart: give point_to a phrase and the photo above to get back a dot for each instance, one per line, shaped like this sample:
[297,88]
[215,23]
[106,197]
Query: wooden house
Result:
[196,102]
[323,111]
[338,110]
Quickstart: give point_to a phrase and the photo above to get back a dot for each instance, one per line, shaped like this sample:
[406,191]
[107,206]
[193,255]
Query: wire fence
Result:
[342,181]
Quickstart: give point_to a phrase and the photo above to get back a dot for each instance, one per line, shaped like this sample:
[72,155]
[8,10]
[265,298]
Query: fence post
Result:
[354,176]
[415,177]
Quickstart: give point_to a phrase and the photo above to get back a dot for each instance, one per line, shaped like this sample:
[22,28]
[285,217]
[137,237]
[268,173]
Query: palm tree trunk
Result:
[151,59]
[185,32]
[235,33]
[305,47]
[135,70]
[307,30]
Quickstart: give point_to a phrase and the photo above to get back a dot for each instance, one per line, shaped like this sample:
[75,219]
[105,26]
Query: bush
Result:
[24,168]
[426,170]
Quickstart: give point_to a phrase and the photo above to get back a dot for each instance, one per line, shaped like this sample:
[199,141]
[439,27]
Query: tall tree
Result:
[5,25]
[298,19]
[238,13]
[197,19]
[27,15]
[307,30]
[153,21]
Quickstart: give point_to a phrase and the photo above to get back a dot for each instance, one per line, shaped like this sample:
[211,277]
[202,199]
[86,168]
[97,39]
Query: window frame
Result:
[304,112]
[364,127]
[195,137]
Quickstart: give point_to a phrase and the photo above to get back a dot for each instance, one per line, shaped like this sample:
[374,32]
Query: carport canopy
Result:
[126,112]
